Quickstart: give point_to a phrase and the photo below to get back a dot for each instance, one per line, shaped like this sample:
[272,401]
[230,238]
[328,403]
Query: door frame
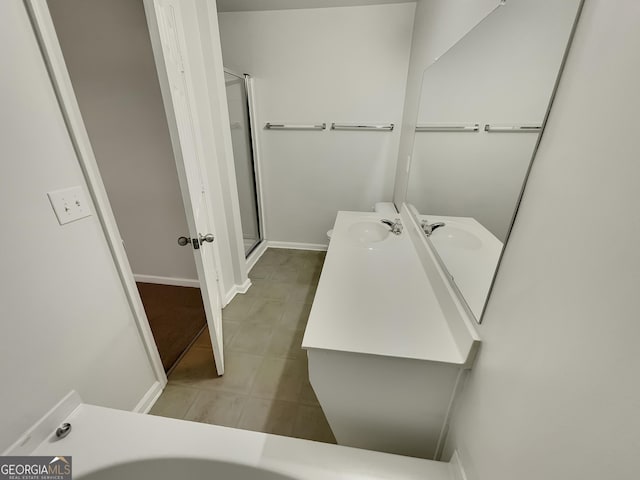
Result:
[47,38]
[235,271]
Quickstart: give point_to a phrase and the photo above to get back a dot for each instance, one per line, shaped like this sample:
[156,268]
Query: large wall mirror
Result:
[482,109]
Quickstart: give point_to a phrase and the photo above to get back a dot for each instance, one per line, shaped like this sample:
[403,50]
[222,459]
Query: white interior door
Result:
[189,162]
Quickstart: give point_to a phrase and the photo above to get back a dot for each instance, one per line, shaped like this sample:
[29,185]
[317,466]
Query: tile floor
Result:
[266,384]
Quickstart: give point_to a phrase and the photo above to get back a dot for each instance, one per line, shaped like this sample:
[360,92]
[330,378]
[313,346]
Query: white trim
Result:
[45,32]
[234,73]
[149,399]
[456,467]
[459,316]
[253,258]
[244,288]
[236,289]
[45,426]
[298,246]
[257,156]
[176,282]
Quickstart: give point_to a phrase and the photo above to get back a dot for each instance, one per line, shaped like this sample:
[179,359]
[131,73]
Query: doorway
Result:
[118,92]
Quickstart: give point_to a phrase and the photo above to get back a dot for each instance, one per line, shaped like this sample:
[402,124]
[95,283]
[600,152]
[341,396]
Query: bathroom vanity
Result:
[386,339]
[391,330]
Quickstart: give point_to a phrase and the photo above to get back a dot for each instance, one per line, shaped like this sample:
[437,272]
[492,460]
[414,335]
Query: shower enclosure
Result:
[238,88]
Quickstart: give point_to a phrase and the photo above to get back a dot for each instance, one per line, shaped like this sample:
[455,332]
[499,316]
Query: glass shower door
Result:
[242,141]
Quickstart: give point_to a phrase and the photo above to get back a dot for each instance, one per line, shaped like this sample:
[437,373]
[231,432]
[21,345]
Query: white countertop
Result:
[377,300]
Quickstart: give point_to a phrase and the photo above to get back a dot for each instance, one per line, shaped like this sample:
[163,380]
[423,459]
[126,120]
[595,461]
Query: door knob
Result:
[196,242]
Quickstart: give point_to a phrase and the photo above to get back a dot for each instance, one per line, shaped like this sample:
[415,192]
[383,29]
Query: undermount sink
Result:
[368,232]
[450,236]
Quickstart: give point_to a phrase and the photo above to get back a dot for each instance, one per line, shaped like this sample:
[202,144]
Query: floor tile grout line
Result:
[308,269]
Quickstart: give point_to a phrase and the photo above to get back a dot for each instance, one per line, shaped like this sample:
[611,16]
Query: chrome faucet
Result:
[396,227]
[428,228]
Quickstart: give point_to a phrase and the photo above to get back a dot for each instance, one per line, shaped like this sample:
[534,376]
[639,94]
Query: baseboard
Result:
[253,258]
[298,246]
[244,287]
[236,289]
[149,398]
[176,282]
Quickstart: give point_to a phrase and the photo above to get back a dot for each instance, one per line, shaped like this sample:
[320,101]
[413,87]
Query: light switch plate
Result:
[70,204]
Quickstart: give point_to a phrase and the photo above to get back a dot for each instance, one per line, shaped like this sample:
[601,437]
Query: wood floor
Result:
[266,385]
[176,316]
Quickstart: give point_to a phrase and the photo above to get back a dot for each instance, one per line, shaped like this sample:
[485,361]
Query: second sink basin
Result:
[450,236]
[368,232]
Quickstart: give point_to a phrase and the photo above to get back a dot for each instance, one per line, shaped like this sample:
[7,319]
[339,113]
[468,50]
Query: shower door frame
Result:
[255,158]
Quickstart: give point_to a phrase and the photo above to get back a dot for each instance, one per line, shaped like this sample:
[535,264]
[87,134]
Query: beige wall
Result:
[554,392]
[109,57]
[65,320]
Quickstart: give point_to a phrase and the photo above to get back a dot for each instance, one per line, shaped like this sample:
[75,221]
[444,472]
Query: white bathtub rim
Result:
[122,437]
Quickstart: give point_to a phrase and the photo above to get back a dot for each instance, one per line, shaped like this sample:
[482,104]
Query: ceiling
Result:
[248,5]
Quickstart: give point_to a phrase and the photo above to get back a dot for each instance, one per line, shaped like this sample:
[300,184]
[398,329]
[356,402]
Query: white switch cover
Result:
[69,204]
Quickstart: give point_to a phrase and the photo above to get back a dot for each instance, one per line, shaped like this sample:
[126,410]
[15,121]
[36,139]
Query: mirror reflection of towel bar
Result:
[282,126]
[474,127]
[512,128]
[356,126]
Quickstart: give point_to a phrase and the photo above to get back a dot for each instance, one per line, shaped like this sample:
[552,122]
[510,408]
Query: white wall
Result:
[503,72]
[66,323]
[345,64]
[109,57]
[554,393]
[438,25]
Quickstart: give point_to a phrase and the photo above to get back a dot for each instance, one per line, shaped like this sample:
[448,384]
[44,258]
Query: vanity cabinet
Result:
[386,347]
